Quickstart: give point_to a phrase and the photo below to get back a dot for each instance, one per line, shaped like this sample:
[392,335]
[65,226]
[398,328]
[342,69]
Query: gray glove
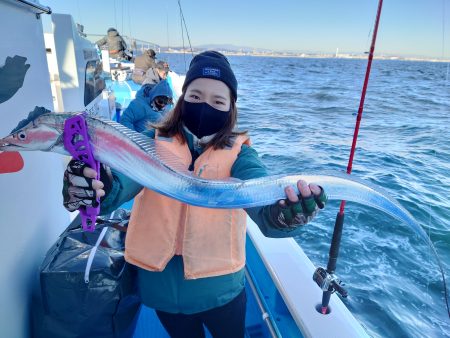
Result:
[292,215]
[77,189]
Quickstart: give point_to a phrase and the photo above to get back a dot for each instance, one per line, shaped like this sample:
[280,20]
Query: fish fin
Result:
[37,111]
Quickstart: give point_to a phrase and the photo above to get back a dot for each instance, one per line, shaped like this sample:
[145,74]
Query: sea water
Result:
[301,114]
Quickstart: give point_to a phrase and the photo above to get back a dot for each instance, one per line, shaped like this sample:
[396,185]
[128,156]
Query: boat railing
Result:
[34,6]
[133,44]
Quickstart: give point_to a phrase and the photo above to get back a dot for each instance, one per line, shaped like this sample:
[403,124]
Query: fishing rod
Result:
[326,279]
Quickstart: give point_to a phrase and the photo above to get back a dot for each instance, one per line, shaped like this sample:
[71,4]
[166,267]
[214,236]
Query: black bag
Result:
[100,301]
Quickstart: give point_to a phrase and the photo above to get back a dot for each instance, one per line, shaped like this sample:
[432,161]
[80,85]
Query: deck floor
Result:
[148,325]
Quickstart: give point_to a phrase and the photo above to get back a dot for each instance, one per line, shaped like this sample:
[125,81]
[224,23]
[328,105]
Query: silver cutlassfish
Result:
[135,156]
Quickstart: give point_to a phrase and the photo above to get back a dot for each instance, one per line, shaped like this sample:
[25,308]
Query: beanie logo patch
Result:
[211,72]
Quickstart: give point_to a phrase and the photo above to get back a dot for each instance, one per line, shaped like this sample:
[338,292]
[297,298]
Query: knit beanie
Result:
[151,53]
[211,65]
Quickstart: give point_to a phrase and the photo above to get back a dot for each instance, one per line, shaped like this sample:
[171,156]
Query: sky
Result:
[407,27]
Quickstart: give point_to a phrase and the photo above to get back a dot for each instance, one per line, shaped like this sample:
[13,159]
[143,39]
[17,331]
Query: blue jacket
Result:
[140,112]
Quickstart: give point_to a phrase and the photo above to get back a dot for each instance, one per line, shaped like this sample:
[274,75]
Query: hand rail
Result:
[42,9]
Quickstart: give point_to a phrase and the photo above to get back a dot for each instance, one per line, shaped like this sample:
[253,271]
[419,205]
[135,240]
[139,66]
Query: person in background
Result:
[115,43]
[166,66]
[190,259]
[142,63]
[150,105]
[156,74]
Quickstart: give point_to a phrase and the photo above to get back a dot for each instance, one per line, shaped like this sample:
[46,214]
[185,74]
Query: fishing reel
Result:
[329,282]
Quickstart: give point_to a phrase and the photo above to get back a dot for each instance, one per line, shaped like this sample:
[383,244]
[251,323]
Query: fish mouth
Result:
[7,144]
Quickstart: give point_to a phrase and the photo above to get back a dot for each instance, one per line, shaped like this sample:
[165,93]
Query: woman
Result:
[190,259]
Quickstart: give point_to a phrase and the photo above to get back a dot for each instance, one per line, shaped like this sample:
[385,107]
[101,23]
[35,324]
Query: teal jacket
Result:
[168,290]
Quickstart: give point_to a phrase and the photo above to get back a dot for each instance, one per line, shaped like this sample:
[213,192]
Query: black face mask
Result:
[201,119]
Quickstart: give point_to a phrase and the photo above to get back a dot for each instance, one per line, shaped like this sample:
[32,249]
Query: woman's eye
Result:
[220,103]
[195,97]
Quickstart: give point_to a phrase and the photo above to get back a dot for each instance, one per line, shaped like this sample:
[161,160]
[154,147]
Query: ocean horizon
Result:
[300,113]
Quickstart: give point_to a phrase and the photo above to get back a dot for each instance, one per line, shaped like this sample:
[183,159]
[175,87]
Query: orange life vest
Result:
[211,241]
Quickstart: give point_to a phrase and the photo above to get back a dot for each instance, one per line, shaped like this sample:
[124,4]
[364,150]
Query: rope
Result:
[182,36]
[183,21]
[185,27]
[90,260]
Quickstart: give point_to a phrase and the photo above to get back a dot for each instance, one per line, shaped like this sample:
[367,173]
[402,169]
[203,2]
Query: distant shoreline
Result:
[317,56]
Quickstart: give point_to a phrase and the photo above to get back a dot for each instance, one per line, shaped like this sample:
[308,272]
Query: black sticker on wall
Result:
[12,75]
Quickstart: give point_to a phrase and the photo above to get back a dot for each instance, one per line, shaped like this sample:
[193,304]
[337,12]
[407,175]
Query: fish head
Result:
[42,133]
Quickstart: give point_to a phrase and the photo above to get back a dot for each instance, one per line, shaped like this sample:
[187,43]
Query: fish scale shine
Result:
[135,156]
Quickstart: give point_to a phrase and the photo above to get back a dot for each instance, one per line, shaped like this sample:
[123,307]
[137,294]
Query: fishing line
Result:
[429,235]
[122,18]
[79,12]
[129,22]
[167,25]
[432,251]
[448,68]
[443,41]
[320,274]
[443,29]
[182,20]
[429,206]
[185,27]
[115,14]
[368,40]
[182,37]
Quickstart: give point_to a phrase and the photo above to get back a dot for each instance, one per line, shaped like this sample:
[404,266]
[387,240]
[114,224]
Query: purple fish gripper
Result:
[76,142]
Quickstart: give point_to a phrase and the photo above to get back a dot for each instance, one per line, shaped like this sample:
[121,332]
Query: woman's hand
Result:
[81,189]
[299,209]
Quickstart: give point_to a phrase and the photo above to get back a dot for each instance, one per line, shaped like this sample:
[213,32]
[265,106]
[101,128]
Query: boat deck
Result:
[149,326]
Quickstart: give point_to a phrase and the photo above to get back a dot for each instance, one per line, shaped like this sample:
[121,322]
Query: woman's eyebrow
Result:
[217,96]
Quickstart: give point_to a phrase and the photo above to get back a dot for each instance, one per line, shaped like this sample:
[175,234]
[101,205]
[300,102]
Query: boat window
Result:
[94,83]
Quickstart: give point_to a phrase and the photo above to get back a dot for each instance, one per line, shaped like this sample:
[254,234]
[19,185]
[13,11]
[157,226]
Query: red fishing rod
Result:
[326,278]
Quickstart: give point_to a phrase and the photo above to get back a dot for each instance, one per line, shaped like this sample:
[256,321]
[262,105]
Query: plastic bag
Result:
[83,300]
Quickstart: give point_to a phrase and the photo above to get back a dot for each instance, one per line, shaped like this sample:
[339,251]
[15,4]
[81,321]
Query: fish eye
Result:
[22,135]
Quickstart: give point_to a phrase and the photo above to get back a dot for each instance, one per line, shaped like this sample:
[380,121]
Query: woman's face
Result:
[213,92]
